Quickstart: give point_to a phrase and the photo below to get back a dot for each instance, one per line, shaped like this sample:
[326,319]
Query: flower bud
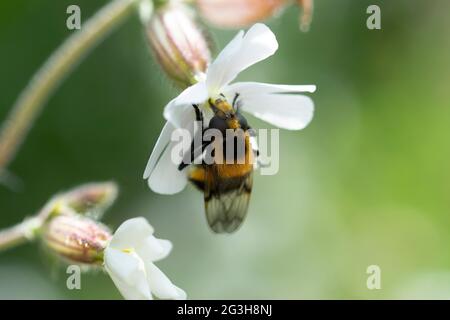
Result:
[76,238]
[180,45]
[92,198]
[238,13]
[306,15]
[242,13]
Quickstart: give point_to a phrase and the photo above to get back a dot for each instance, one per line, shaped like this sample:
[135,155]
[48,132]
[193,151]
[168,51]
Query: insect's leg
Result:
[193,154]
[198,114]
[199,118]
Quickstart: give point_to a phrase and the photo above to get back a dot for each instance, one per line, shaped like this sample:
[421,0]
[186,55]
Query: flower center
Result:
[128,250]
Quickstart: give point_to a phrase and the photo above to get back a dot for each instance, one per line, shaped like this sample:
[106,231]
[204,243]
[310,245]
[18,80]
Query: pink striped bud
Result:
[238,13]
[76,238]
[243,13]
[179,43]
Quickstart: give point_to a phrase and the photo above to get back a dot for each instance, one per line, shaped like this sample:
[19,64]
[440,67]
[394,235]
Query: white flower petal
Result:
[246,89]
[161,144]
[128,260]
[180,115]
[217,71]
[153,249]
[166,178]
[130,233]
[258,44]
[163,174]
[196,93]
[166,247]
[161,286]
[128,274]
[181,294]
[287,111]
[180,111]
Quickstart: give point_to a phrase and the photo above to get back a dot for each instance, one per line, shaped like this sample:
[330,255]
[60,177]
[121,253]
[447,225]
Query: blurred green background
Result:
[366,183]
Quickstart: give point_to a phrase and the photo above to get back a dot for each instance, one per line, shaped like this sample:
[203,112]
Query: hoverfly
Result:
[226,184]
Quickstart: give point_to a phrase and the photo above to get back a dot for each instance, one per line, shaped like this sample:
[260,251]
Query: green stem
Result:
[20,233]
[30,227]
[50,75]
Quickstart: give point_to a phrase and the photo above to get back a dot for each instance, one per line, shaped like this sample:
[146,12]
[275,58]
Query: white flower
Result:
[280,105]
[129,261]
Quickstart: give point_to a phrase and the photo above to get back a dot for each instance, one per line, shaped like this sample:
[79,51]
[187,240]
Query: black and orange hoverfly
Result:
[227,180]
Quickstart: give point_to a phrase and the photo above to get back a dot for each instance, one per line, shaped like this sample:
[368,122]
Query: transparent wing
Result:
[226,202]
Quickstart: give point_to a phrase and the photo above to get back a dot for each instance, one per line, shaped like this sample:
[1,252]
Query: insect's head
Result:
[225,116]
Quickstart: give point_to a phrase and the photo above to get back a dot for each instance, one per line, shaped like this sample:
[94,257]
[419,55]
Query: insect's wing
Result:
[226,201]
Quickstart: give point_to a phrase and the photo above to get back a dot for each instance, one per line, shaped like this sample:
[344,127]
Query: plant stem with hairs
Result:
[26,230]
[20,233]
[49,76]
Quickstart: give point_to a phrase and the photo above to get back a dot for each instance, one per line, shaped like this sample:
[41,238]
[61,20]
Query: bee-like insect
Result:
[227,181]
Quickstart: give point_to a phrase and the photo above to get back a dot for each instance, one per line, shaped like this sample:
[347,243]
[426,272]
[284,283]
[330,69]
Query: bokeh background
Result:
[368,182]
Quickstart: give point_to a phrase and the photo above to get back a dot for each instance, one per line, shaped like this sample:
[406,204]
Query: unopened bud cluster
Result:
[70,229]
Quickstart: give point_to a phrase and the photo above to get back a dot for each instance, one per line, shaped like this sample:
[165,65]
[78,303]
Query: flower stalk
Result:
[307,7]
[20,233]
[49,76]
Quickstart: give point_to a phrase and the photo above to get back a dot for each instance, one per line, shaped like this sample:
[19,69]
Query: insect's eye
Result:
[242,121]
[218,123]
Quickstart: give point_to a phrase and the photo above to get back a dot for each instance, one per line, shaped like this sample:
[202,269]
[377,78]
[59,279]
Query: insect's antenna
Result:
[198,114]
[238,106]
[235,100]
